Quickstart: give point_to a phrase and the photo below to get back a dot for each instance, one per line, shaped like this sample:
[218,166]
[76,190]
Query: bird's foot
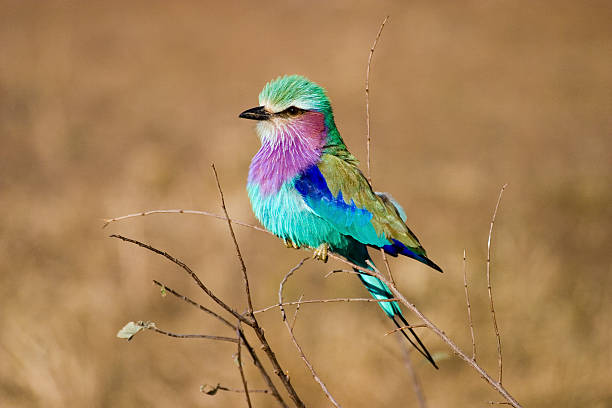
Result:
[321,252]
[290,244]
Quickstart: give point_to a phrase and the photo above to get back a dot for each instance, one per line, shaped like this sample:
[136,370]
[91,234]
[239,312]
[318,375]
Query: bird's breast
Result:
[286,215]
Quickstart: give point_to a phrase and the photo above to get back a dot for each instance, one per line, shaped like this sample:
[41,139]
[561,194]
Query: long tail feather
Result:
[422,349]
[358,254]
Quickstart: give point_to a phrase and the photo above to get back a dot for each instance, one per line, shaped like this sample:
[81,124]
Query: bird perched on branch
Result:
[305,187]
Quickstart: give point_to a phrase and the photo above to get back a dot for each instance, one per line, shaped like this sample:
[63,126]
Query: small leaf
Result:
[163,291]
[129,330]
[209,389]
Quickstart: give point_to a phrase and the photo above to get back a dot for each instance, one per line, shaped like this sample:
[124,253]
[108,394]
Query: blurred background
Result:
[109,108]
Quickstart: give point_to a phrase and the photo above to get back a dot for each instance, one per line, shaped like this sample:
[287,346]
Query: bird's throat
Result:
[287,149]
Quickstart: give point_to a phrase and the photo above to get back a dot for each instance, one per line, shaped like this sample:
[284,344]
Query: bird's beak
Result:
[258,113]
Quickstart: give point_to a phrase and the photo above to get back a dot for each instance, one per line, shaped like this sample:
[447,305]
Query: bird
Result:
[306,188]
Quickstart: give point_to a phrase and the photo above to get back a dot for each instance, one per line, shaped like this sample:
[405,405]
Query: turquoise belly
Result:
[287,216]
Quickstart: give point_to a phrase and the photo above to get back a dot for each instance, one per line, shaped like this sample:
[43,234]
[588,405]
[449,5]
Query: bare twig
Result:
[453,346]
[239,360]
[499,348]
[256,361]
[194,276]
[413,375]
[416,384]
[410,326]
[386,261]
[297,309]
[195,304]
[301,302]
[367,95]
[151,326]
[263,372]
[398,297]
[238,253]
[254,323]
[295,342]
[212,390]
[469,307]
[178,211]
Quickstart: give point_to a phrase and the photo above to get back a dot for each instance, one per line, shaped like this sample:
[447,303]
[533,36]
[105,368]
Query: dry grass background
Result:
[108,108]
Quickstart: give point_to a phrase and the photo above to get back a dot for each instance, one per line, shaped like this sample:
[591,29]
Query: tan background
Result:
[108,108]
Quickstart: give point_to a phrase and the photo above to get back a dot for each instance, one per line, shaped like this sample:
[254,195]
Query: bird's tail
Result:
[379,290]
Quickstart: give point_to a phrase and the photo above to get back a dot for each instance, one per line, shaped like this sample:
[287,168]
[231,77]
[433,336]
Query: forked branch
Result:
[294,340]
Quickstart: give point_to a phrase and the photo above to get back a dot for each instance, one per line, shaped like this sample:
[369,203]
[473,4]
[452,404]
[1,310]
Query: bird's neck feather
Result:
[287,149]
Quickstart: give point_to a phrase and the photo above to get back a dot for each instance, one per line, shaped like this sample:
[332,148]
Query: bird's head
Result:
[292,106]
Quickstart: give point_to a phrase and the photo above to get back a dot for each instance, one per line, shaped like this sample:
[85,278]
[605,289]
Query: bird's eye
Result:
[292,110]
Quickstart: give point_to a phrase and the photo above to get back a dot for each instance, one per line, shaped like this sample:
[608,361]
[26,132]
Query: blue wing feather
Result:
[346,217]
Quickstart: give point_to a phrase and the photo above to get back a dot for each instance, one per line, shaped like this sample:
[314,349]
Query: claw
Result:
[321,252]
[290,244]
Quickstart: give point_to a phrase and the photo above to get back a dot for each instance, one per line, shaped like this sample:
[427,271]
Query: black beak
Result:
[258,113]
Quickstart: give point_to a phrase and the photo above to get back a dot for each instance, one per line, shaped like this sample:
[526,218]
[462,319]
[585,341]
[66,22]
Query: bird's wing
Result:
[338,192]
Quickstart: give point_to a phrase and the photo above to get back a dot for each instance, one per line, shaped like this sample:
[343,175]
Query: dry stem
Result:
[456,349]
[294,340]
[195,304]
[367,94]
[191,273]
[250,322]
[416,384]
[272,388]
[301,302]
[499,348]
[397,297]
[410,326]
[219,387]
[151,326]
[255,324]
[247,290]
[469,307]
[108,221]
[239,360]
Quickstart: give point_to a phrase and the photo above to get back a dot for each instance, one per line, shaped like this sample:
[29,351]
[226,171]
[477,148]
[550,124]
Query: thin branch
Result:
[301,302]
[469,307]
[295,342]
[494,384]
[239,360]
[194,304]
[151,326]
[212,390]
[410,326]
[254,323]
[191,273]
[297,309]
[178,211]
[386,261]
[416,384]
[263,372]
[402,299]
[238,253]
[367,94]
[499,348]
[256,361]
